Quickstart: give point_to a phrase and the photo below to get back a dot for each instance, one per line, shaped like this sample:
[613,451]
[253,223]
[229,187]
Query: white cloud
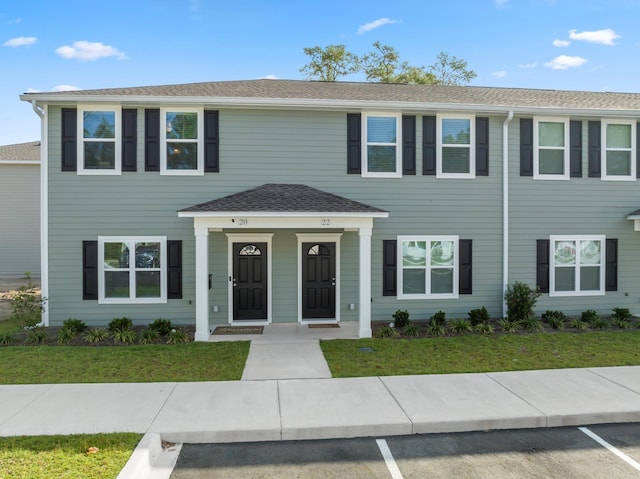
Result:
[501,3]
[269,77]
[499,74]
[605,37]
[32,90]
[561,43]
[564,62]
[367,27]
[65,88]
[17,21]
[20,41]
[525,66]
[87,51]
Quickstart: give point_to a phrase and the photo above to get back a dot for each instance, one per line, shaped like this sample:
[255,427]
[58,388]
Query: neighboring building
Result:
[20,210]
[263,201]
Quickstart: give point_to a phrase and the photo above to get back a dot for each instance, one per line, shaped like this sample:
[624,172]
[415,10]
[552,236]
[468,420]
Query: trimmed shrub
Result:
[162,326]
[76,325]
[521,299]
[439,318]
[400,318]
[477,316]
[120,324]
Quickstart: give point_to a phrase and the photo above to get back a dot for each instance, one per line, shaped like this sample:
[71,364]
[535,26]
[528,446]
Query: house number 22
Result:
[325,222]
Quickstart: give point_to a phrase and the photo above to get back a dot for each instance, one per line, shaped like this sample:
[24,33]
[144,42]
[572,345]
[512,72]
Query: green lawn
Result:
[478,353]
[62,457]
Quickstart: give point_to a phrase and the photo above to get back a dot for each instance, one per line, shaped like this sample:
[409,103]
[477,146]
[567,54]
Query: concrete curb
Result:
[149,460]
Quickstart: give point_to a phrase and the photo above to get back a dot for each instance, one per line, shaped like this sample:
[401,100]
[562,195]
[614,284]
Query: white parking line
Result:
[611,448]
[388,459]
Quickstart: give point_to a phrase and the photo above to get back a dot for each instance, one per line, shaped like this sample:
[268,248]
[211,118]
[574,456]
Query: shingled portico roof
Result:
[284,198]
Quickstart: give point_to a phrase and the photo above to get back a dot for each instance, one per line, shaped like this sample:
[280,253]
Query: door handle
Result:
[333,281]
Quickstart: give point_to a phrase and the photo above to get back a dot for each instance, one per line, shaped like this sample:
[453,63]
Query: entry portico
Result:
[249,220]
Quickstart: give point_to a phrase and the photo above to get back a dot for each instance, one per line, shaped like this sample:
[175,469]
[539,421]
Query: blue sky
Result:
[556,44]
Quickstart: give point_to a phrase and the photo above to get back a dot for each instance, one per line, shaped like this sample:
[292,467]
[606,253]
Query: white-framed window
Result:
[99,140]
[132,269]
[428,267]
[382,145]
[618,150]
[181,141]
[551,148]
[577,265]
[456,138]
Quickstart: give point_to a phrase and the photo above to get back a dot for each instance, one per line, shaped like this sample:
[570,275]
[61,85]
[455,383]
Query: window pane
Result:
[99,124]
[381,129]
[618,163]
[442,253]
[456,131]
[550,134]
[182,126]
[566,279]
[414,253]
[413,281]
[455,160]
[147,255]
[148,284]
[590,278]
[618,136]
[182,156]
[565,252]
[116,255]
[99,155]
[551,162]
[116,284]
[441,281]
[381,159]
[590,252]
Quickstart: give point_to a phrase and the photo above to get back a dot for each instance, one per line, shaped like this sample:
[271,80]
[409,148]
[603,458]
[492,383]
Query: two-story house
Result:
[261,201]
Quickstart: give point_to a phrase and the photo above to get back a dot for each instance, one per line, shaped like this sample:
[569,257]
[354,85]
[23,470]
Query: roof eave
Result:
[280,214]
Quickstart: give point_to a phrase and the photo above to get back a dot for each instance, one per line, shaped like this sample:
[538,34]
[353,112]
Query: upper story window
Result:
[456,147]
[381,148]
[577,266]
[618,150]
[551,148]
[99,148]
[181,149]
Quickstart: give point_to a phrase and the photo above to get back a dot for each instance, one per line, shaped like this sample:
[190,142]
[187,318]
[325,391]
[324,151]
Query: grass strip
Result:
[222,361]
[476,353]
[62,457]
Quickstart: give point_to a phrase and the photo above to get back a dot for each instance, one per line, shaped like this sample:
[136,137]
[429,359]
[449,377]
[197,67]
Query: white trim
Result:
[20,162]
[536,148]
[44,213]
[320,238]
[287,216]
[471,146]
[505,210]
[604,149]
[241,222]
[117,140]
[199,171]
[577,266]
[364,144]
[257,238]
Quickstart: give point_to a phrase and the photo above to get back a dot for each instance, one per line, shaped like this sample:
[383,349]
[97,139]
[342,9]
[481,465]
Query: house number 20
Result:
[242,221]
[325,222]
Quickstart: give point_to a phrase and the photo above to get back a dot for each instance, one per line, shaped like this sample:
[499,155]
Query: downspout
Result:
[505,209]
[44,212]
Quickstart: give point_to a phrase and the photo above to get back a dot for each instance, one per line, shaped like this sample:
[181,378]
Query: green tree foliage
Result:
[330,63]
[382,65]
[451,70]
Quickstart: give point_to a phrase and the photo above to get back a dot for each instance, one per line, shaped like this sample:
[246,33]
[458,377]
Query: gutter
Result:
[505,209]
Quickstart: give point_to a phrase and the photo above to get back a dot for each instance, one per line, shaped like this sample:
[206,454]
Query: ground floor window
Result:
[132,270]
[577,265]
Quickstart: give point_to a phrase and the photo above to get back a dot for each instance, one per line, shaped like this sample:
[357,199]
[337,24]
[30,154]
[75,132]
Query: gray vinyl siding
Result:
[579,206]
[19,220]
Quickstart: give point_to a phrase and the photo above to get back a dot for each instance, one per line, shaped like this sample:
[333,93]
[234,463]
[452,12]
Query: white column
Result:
[365,282]
[202,284]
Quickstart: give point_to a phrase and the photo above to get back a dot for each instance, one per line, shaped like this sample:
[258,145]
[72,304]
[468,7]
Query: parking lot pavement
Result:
[611,451]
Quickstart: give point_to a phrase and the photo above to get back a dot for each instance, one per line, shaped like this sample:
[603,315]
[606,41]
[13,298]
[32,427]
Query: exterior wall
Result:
[19,220]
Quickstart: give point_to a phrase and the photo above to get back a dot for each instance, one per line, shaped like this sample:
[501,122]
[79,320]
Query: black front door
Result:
[249,281]
[318,280]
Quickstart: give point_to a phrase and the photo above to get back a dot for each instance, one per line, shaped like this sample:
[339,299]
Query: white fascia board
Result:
[19,162]
[277,214]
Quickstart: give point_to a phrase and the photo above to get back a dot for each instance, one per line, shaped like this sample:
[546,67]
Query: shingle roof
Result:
[21,152]
[283,198]
[370,92]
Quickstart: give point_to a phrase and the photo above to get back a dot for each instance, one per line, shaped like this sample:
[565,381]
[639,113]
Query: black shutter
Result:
[152,140]
[526,147]
[482,146]
[637,150]
[69,139]
[465,277]
[90,270]
[211,142]
[429,145]
[611,271]
[354,152]
[389,270]
[174,269]
[129,139]
[575,142]
[542,265]
[594,150]
[408,145]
